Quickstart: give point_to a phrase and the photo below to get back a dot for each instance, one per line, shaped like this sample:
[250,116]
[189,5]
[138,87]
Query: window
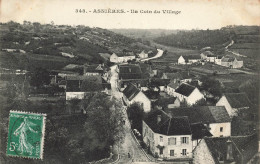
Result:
[172,141]
[185,140]
[221,129]
[184,151]
[171,152]
[161,138]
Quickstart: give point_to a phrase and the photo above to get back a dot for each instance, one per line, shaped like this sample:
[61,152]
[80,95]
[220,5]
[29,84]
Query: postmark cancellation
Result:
[26,134]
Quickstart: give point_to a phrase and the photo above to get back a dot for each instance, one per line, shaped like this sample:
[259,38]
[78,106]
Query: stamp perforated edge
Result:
[43,133]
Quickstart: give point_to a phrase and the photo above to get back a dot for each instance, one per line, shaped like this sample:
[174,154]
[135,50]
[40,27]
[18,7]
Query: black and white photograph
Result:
[129,81]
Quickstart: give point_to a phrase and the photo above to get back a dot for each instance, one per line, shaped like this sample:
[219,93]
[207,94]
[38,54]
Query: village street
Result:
[130,145]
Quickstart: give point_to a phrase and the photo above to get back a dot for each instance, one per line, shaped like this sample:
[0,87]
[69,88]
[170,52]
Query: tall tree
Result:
[40,77]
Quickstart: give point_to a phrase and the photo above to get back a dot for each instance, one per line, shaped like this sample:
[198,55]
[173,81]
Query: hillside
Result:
[25,45]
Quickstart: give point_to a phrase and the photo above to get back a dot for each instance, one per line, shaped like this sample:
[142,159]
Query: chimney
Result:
[159,119]
[229,150]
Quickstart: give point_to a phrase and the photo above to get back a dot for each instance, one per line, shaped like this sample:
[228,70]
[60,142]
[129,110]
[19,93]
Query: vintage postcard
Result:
[129,81]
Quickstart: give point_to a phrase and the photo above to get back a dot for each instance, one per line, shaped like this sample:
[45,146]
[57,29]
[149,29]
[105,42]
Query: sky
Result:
[201,14]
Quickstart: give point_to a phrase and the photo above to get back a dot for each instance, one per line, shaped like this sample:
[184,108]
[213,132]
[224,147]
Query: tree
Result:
[40,77]
[135,114]
[211,85]
[104,125]
[92,83]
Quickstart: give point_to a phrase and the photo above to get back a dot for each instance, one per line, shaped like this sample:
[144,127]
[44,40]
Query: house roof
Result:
[130,91]
[130,71]
[73,85]
[247,146]
[208,54]
[76,78]
[191,57]
[173,84]
[93,68]
[106,56]
[159,82]
[219,57]
[203,114]
[199,131]
[238,100]
[168,125]
[185,89]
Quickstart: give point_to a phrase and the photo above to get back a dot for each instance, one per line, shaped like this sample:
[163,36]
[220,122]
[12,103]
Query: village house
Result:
[171,87]
[218,60]
[160,83]
[208,56]
[189,59]
[180,77]
[168,137]
[188,93]
[143,55]
[215,118]
[234,102]
[235,149]
[93,70]
[231,62]
[74,90]
[169,102]
[132,94]
[120,59]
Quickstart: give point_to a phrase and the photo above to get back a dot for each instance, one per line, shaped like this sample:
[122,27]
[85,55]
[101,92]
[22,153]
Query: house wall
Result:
[152,140]
[215,129]
[181,60]
[193,60]
[170,91]
[114,58]
[74,95]
[91,73]
[140,97]
[218,61]
[226,64]
[203,56]
[176,104]
[223,102]
[211,59]
[194,97]
[237,64]
[202,154]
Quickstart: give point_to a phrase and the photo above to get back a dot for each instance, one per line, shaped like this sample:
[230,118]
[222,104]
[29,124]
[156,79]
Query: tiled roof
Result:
[168,125]
[130,71]
[191,57]
[199,131]
[208,54]
[173,85]
[130,92]
[238,100]
[203,114]
[159,82]
[93,68]
[245,146]
[185,89]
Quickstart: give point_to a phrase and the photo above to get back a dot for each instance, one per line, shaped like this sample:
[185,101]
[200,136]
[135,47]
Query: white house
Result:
[143,55]
[181,60]
[215,118]
[188,93]
[218,60]
[171,87]
[167,137]
[234,102]
[75,95]
[208,56]
[132,94]
[231,62]
[114,58]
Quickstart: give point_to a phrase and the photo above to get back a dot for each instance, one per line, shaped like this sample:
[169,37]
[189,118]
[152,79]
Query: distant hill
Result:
[63,44]
[144,33]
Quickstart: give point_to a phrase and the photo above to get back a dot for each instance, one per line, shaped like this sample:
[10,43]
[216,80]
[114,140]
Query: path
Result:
[234,53]
[159,54]
[130,145]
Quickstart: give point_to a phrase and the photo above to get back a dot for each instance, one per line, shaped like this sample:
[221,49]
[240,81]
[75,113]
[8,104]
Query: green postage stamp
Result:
[26,134]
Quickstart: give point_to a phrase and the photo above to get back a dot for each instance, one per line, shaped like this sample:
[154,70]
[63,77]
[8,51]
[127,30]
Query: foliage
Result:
[104,124]
[195,39]
[92,83]
[211,85]
[40,77]
[135,114]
